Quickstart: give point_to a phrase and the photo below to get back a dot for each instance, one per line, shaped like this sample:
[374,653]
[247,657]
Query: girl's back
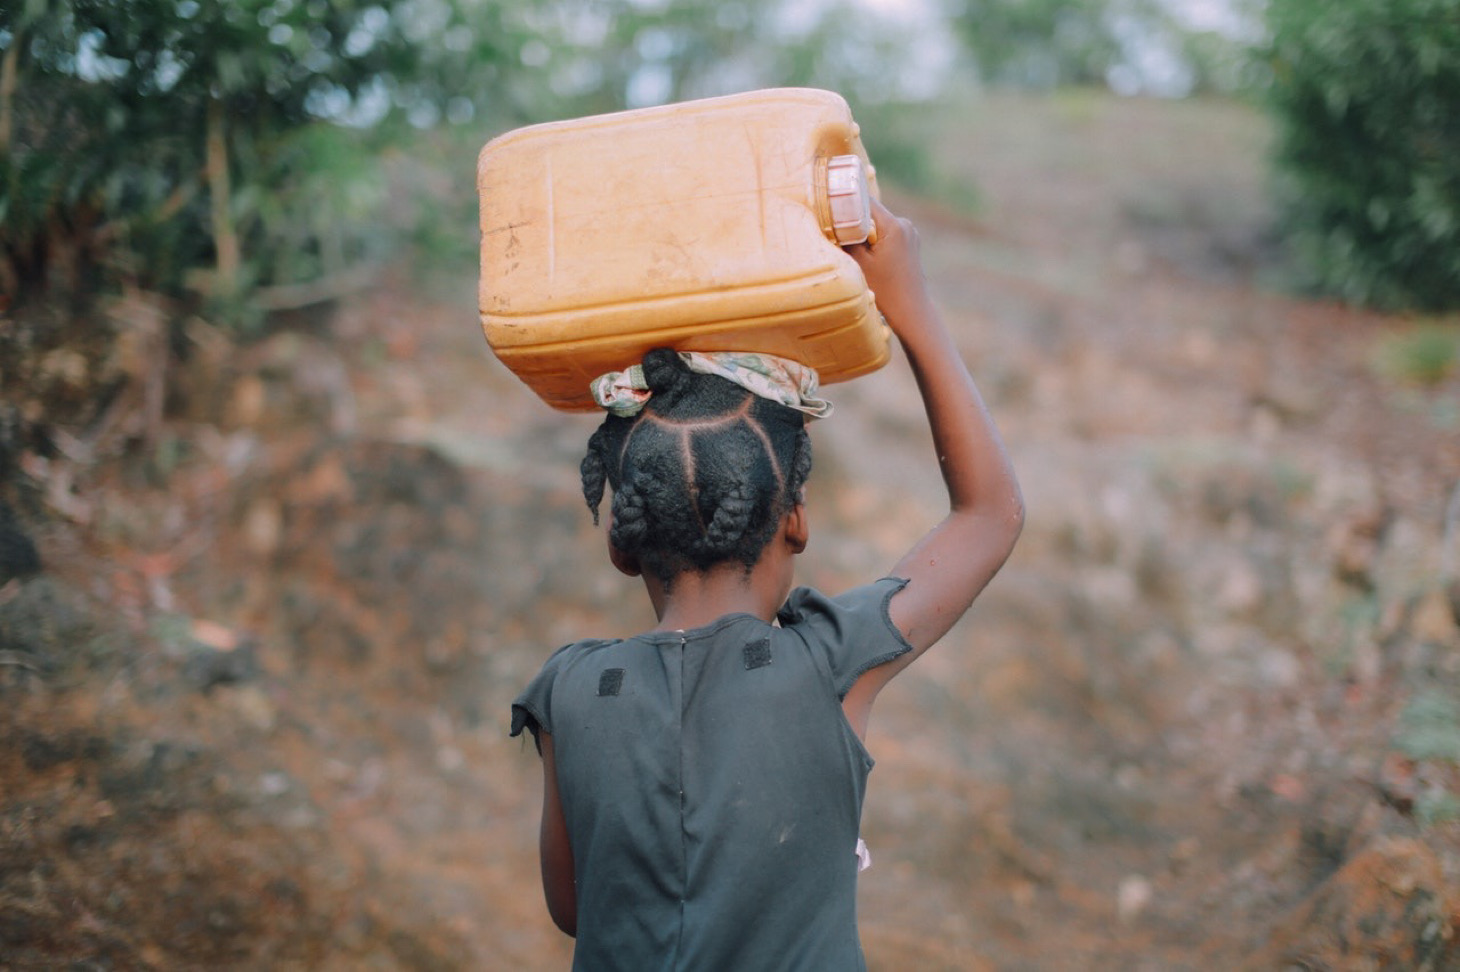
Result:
[713,787]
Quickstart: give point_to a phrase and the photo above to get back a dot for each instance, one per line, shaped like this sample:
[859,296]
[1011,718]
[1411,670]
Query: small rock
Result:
[1386,908]
[1241,591]
[449,759]
[1023,893]
[208,667]
[1397,782]
[263,527]
[274,784]
[1266,423]
[66,366]
[1133,896]
[1290,402]
[1353,543]
[1183,854]
[250,398]
[1288,787]
[1111,587]
[252,703]
[215,635]
[1280,668]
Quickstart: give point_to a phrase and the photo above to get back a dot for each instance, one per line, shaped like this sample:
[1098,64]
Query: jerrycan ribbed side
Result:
[706,225]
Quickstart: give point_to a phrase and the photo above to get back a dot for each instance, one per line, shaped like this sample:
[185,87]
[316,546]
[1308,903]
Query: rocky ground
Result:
[264,606]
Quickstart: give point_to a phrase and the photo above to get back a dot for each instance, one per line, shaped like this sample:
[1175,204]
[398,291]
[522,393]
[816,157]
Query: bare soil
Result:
[256,661]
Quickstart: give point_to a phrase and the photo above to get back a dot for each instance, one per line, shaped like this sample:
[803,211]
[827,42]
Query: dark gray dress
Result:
[713,788]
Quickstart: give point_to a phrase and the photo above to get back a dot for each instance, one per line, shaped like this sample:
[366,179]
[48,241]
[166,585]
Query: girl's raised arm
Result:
[957,558]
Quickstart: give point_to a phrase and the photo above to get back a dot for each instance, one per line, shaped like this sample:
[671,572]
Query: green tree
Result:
[612,54]
[215,145]
[1366,96]
[1130,45]
[1047,44]
[1039,43]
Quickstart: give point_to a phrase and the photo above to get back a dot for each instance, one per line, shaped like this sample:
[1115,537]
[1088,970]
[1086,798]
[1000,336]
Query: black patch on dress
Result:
[610,681]
[758,654]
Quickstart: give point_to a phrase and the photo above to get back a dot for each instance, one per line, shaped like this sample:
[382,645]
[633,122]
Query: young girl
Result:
[703,781]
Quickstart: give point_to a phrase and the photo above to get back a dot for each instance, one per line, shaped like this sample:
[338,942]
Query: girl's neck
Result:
[695,599]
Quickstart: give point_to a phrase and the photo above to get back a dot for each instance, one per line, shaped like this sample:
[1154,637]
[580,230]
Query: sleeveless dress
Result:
[713,787]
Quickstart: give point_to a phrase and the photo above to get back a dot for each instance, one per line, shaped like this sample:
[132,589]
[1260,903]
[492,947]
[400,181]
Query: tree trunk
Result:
[8,70]
[225,241]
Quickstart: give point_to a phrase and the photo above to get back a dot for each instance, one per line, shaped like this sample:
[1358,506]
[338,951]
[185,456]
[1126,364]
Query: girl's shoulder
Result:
[851,631]
[530,708]
[582,647]
[808,605]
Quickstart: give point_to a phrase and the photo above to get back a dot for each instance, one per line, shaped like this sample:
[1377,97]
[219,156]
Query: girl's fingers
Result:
[888,225]
[892,267]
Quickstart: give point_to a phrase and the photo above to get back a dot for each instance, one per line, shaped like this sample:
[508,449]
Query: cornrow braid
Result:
[701,476]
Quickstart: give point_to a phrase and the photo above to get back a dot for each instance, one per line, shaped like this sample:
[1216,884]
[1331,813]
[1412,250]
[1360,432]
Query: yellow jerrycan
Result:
[710,225]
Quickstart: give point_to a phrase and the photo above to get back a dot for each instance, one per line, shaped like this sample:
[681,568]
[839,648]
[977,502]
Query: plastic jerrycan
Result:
[710,225]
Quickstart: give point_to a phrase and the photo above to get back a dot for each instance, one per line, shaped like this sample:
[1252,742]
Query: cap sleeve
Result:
[852,631]
[532,710]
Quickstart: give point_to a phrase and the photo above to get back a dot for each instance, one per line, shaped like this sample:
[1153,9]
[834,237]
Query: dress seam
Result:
[683,836]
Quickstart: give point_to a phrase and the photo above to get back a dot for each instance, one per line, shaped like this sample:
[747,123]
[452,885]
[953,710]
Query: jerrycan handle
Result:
[843,201]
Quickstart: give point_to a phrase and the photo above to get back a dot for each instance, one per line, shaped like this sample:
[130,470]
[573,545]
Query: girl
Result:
[703,781]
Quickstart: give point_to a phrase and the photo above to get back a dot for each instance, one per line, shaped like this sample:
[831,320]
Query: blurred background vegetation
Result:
[1366,96]
[252,155]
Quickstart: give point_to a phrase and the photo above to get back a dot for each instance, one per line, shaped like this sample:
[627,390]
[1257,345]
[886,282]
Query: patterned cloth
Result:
[779,379]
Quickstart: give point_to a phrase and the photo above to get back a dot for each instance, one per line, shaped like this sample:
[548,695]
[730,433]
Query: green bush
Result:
[1366,96]
[1429,728]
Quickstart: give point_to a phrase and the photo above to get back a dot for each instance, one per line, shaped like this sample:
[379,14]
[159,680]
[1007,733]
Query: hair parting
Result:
[701,476]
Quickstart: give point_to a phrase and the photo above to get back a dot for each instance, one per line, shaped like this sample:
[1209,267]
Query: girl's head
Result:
[702,476]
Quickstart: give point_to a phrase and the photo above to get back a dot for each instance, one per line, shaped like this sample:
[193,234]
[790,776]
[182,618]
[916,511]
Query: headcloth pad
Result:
[782,380]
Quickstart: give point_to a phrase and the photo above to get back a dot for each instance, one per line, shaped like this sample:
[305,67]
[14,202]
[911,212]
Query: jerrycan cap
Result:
[844,203]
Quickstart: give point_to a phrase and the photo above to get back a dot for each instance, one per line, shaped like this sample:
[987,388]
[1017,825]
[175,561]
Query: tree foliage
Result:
[1040,43]
[213,145]
[1366,95]
[1045,44]
[1131,46]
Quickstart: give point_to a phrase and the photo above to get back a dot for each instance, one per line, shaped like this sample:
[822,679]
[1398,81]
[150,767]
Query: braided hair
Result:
[701,476]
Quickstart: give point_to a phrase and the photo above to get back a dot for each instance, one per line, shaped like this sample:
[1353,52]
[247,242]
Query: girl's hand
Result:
[893,269]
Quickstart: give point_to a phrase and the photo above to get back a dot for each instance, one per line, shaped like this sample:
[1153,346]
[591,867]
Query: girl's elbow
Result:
[1013,521]
[562,904]
[1005,516]
[994,526]
[567,922]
